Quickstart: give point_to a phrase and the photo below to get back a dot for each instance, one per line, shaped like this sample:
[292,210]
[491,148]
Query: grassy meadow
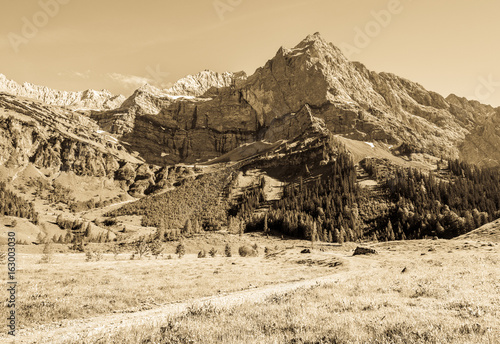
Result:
[423,291]
[449,292]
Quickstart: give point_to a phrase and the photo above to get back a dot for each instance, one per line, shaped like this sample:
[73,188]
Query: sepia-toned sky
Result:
[449,46]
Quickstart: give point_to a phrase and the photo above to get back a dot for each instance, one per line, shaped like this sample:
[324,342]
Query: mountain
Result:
[354,102]
[85,100]
[56,140]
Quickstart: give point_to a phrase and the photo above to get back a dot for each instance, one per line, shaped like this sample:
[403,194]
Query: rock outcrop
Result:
[57,140]
[363,250]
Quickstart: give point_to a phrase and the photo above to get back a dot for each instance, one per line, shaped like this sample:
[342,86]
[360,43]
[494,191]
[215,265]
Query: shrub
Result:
[47,254]
[116,251]
[93,255]
[247,251]
[212,252]
[109,222]
[180,250]
[202,254]
[156,247]
[142,248]
[227,251]
[88,256]
[255,248]
[3,255]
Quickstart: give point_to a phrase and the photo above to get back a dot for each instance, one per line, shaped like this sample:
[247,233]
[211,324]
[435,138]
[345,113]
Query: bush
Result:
[180,250]
[212,252]
[3,255]
[142,248]
[116,251]
[156,247]
[47,254]
[227,251]
[247,251]
[109,222]
[202,254]
[93,255]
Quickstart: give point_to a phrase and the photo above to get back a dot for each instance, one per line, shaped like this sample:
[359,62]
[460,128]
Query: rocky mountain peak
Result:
[150,99]
[196,85]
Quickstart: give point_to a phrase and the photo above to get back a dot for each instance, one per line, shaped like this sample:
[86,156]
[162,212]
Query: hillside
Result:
[488,232]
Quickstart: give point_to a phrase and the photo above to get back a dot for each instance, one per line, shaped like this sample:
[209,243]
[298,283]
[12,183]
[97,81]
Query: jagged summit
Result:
[314,40]
[88,99]
[198,84]
[150,99]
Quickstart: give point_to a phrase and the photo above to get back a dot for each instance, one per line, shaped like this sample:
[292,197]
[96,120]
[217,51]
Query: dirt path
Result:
[93,327]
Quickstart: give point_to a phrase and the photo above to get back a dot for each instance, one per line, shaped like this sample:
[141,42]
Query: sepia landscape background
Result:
[228,172]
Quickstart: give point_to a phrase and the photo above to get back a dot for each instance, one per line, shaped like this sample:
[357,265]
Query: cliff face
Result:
[353,101]
[88,100]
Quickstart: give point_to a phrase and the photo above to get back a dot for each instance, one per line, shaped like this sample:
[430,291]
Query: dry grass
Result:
[449,293]
[71,288]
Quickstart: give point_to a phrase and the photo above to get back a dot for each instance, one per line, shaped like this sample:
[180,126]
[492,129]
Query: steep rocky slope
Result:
[89,99]
[56,140]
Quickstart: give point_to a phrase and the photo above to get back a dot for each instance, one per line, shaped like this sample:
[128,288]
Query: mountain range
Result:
[207,115]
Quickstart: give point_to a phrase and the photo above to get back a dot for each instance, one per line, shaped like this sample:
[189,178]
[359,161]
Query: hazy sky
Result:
[449,46]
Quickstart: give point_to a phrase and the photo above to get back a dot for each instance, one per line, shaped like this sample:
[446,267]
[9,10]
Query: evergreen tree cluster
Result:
[323,209]
[79,230]
[417,204]
[13,205]
[429,206]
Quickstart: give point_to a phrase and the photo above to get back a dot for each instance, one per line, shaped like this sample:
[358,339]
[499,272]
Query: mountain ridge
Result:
[81,100]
